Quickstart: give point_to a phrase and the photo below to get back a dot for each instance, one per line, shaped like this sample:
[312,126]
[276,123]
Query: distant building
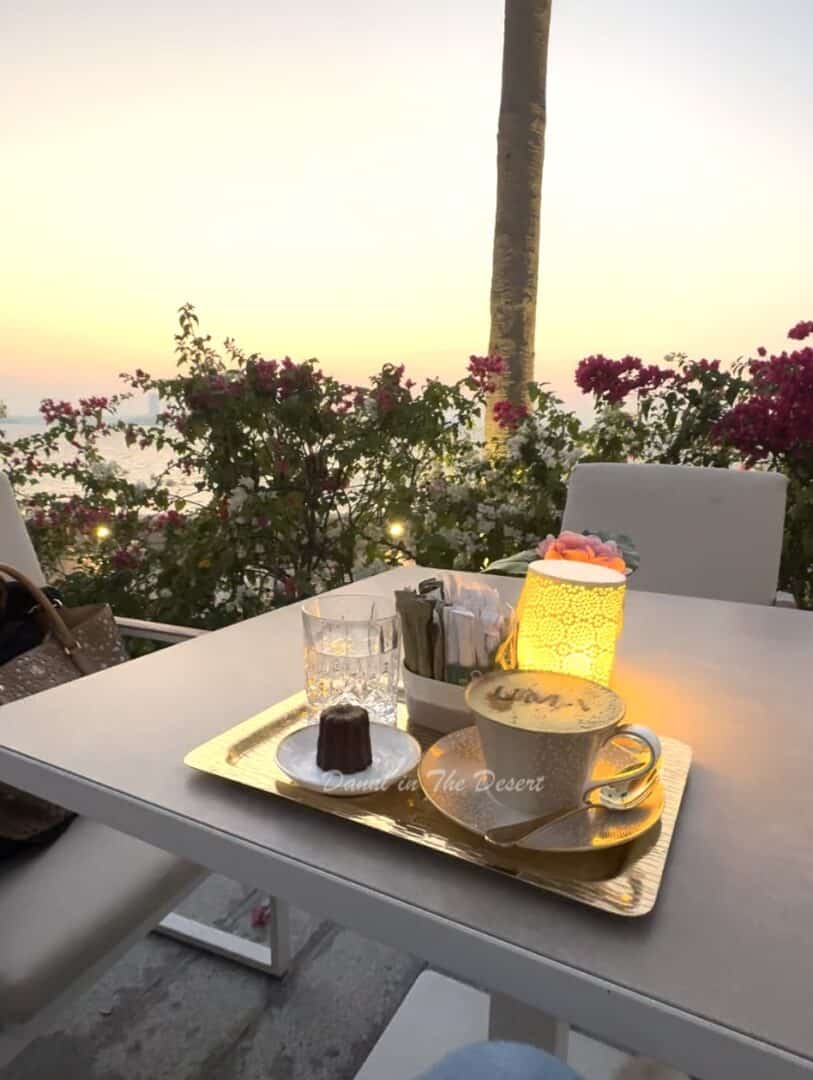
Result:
[153,405]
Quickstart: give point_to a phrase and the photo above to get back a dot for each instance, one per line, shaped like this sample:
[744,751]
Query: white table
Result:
[716,981]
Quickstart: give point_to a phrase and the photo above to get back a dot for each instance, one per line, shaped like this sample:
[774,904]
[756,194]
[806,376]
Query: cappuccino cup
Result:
[541,733]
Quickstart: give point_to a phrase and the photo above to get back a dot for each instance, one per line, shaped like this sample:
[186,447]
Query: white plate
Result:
[394,755]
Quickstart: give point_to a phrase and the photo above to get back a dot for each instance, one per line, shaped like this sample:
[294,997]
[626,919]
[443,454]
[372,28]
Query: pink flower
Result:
[801,330]
[93,404]
[384,400]
[57,410]
[124,559]
[167,518]
[577,547]
[509,415]
[484,369]
[778,417]
[261,915]
[614,379]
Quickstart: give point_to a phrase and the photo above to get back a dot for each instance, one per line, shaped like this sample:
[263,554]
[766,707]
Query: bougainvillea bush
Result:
[771,426]
[473,506]
[281,481]
[756,414]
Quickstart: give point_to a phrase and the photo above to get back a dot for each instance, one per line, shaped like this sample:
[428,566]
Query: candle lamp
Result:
[570,615]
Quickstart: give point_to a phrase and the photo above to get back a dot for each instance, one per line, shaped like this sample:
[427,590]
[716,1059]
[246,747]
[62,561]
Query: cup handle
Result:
[649,740]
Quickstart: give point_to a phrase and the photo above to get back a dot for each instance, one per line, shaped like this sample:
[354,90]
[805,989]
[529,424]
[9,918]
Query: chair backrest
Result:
[699,531]
[16,548]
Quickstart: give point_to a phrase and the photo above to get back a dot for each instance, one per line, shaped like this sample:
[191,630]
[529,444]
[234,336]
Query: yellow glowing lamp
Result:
[396,529]
[570,615]
[103,532]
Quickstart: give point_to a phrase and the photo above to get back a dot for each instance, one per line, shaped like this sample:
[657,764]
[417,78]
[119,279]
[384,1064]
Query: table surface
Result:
[729,941]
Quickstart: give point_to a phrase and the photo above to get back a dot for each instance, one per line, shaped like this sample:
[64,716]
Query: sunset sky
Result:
[318,177]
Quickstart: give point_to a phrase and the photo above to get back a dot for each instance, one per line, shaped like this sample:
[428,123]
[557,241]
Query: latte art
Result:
[545,701]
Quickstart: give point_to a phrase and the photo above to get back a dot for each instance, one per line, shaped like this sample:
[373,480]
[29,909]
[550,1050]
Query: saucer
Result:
[451,775]
[394,755]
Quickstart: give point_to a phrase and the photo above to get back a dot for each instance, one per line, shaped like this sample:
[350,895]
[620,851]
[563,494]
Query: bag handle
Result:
[57,626]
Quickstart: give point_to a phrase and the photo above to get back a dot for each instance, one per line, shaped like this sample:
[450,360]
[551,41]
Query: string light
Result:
[103,532]
[396,530]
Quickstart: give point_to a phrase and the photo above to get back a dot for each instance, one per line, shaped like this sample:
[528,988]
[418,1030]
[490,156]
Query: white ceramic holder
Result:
[434,704]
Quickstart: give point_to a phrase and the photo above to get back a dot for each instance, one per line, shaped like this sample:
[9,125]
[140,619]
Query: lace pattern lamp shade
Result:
[570,615]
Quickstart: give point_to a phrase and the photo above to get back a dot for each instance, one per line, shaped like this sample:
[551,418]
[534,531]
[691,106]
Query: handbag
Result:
[71,642]
[20,627]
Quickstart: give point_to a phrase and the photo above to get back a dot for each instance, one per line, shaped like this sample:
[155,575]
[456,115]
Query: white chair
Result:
[68,912]
[699,531]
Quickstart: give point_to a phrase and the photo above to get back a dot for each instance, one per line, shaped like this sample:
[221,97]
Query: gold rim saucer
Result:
[452,777]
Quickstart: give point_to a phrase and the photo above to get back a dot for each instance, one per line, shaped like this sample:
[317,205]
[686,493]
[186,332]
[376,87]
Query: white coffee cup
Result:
[541,733]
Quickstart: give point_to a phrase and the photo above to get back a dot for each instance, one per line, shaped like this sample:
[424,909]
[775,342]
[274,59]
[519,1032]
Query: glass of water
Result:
[352,653]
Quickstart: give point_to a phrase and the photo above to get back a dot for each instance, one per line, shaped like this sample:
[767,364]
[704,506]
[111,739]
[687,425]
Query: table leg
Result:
[273,958]
[279,936]
[510,1020]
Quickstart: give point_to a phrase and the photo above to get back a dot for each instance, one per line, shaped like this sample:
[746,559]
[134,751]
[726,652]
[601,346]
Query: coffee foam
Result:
[544,701]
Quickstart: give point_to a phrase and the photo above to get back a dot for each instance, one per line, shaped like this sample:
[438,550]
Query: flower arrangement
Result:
[614,550]
[583,547]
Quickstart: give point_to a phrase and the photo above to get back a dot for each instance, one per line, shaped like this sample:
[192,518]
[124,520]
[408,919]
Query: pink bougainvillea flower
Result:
[57,410]
[612,380]
[509,415]
[801,330]
[777,420]
[124,559]
[485,370]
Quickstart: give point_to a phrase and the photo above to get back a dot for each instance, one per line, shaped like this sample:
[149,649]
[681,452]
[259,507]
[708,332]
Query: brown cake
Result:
[344,739]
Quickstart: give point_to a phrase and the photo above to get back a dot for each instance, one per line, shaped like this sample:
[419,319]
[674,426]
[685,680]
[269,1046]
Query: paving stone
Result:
[217,900]
[331,1014]
[169,1012]
[228,905]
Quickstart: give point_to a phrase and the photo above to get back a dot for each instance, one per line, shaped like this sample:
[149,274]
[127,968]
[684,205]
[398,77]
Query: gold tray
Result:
[623,880]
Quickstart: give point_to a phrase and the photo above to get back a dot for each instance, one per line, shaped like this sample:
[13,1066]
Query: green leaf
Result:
[513,566]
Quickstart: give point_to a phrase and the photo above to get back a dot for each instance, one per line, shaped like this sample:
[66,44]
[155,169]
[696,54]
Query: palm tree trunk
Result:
[520,155]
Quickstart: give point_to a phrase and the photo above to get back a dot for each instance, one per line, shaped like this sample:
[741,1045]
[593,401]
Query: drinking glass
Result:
[352,653]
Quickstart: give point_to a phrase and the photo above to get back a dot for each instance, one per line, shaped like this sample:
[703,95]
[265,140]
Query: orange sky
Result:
[319,180]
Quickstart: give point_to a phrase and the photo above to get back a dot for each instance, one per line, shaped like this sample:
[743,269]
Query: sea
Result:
[136,464]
